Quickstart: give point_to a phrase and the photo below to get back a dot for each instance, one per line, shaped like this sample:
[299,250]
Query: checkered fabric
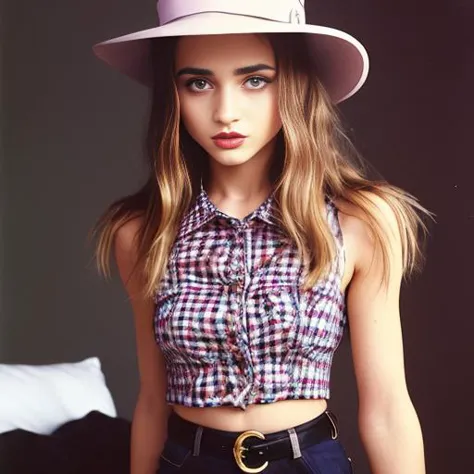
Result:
[233,325]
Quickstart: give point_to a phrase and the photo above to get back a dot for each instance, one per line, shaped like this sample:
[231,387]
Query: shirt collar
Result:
[203,210]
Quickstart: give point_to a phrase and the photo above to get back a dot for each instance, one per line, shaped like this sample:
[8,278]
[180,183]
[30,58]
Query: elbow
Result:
[153,403]
[386,414]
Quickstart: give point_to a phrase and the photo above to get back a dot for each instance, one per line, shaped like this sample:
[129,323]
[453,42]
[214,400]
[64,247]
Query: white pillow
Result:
[40,398]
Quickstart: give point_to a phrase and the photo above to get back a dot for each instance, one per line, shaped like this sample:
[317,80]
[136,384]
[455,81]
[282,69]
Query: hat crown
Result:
[286,11]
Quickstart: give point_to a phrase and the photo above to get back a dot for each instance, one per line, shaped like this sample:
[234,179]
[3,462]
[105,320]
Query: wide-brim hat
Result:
[342,61]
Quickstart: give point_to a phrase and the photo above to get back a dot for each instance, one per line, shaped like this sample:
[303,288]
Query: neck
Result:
[249,181]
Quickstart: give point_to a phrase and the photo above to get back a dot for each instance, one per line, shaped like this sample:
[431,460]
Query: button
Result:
[236,287]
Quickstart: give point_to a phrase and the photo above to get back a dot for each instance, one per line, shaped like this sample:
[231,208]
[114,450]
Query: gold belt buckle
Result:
[239,449]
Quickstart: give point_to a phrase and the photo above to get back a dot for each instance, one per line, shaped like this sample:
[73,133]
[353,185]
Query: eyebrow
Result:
[237,72]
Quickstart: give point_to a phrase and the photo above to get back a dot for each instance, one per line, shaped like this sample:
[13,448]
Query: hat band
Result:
[284,11]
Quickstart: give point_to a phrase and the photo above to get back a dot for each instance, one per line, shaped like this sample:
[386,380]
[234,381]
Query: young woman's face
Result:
[228,84]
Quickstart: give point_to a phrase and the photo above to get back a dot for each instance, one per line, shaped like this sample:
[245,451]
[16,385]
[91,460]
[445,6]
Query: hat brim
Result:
[342,61]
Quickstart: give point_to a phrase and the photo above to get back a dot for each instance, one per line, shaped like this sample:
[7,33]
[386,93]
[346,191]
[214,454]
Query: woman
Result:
[256,240]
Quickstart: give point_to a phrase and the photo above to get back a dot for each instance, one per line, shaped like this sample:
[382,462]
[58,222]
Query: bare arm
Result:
[388,423]
[149,426]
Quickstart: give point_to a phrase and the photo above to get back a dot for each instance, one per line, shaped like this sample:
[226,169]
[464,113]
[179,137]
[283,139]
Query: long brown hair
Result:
[315,158]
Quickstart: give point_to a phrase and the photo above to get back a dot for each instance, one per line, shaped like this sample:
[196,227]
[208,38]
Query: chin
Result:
[231,157]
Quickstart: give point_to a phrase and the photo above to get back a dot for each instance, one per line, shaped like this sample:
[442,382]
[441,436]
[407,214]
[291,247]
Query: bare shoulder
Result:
[354,216]
[125,248]
[125,238]
[357,234]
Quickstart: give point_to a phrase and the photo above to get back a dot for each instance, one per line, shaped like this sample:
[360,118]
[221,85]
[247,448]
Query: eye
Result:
[197,85]
[257,82]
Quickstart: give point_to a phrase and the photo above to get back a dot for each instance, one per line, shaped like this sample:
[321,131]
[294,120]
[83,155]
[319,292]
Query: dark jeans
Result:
[327,457]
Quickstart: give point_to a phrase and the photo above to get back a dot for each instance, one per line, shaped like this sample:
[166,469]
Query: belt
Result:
[251,450]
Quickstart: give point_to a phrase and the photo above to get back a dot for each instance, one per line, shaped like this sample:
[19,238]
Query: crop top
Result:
[231,320]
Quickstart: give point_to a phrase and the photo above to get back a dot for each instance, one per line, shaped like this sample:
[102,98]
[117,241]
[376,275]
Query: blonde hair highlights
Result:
[318,160]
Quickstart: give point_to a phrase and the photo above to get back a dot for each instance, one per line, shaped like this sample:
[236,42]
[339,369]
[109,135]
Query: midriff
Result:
[266,418]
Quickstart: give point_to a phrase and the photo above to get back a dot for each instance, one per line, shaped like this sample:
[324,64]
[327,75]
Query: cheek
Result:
[190,114]
[277,123]
[267,113]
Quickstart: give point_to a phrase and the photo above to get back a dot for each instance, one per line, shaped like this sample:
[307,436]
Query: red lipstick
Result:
[228,135]
[229,140]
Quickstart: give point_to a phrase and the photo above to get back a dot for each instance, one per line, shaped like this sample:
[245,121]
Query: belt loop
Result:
[335,433]
[295,444]
[197,441]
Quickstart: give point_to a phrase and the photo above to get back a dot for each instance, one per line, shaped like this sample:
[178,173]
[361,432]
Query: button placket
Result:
[235,289]
[238,280]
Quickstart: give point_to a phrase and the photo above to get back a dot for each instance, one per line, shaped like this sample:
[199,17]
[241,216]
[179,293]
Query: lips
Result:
[224,135]
[228,141]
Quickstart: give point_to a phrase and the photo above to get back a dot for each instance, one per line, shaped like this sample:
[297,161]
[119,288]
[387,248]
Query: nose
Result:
[226,107]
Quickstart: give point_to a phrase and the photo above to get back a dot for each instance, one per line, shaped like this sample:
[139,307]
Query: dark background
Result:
[72,142]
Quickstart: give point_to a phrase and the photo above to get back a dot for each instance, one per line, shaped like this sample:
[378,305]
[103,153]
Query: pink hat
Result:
[343,63]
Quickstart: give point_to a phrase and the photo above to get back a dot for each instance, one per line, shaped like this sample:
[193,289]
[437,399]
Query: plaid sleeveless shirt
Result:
[233,325]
